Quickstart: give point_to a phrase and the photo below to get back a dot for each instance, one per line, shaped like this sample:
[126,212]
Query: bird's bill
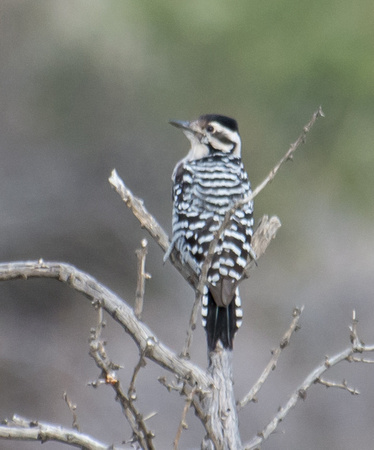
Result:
[183,124]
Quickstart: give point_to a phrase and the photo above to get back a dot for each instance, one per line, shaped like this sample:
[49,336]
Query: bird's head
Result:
[211,134]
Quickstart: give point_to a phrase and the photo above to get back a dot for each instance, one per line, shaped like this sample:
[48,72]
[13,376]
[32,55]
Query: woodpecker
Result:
[206,184]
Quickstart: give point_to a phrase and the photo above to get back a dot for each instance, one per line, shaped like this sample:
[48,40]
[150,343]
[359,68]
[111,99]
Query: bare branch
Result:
[26,430]
[116,307]
[272,364]
[148,222]
[137,207]
[141,434]
[314,377]
[142,276]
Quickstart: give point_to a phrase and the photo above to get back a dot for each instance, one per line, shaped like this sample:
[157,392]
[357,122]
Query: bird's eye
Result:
[210,129]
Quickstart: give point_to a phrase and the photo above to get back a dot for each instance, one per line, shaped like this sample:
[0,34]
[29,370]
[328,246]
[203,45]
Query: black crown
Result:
[227,122]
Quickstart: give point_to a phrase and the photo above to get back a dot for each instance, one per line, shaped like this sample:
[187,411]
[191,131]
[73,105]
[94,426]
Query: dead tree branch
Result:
[315,377]
[148,222]
[289,155]
[272,364]
[21,429]
[108,376]
[117,308]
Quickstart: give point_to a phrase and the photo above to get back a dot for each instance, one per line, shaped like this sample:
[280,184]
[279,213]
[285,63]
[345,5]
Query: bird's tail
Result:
[221,322]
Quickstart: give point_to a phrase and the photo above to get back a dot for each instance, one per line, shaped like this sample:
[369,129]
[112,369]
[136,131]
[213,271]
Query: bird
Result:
[206,184]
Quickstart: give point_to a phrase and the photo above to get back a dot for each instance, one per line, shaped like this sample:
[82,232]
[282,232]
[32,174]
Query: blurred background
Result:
[88,86]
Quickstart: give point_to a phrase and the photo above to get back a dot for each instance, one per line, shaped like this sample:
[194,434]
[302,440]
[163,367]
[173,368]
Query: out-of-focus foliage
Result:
[86,86]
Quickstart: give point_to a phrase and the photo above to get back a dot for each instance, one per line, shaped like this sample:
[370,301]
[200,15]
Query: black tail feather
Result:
[220,324]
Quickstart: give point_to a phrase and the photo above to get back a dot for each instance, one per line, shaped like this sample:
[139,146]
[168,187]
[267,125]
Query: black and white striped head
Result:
[211,134]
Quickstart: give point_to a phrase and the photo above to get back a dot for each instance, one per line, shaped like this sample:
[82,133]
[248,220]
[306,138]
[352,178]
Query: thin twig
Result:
[272,364]
[132,390]
[183,424]
[72,407]
[141,434]
[22,429]
[141,254]
[289,155]
[314,377]
[343,385]
[137,207]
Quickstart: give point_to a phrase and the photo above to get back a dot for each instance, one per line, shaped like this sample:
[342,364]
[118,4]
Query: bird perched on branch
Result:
[206,184]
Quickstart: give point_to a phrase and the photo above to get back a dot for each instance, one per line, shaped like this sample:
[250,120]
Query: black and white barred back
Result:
[204,189]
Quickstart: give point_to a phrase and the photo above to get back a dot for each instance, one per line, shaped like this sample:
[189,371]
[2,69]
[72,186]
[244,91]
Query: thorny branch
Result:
[108,376]
[315,377]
